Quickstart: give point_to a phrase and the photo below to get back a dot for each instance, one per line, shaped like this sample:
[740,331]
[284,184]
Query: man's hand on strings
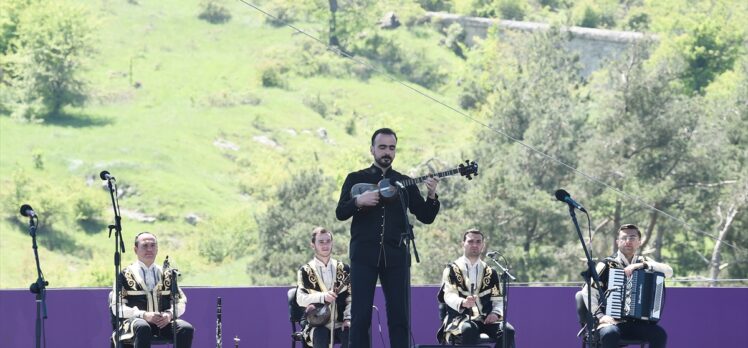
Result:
[431,183]
[367,199]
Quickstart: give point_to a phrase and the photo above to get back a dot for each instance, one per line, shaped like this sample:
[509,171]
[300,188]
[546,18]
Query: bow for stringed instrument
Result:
[388,191]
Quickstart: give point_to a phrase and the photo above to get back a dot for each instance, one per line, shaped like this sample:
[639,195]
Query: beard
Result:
[384,161]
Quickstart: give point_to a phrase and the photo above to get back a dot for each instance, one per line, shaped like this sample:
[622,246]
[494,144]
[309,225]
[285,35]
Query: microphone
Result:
[491,254]
[104,175]
[27,211]
[564,196]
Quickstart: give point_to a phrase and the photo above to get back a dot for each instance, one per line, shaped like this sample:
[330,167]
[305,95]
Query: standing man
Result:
[146,302]
[472,293]
[628,259]
[376,249]
[325,281]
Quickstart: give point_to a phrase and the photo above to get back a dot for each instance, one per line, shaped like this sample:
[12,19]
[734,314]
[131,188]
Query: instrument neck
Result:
[420,179]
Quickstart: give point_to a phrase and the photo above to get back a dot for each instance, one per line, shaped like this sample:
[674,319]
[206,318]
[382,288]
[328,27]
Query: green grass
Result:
[159,138]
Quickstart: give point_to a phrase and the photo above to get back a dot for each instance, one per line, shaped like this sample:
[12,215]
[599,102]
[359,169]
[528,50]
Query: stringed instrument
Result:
[388,191]
[319,314]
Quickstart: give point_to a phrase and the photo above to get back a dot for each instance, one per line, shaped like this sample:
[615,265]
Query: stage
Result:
[542,316]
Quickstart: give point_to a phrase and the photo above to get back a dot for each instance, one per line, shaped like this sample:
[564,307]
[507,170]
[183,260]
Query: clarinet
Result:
[219,339]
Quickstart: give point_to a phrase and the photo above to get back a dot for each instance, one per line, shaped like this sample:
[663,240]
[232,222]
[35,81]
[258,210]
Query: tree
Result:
[300,204]
[727,136]
[644,144]
[533,94]
[46,51]
[710,49]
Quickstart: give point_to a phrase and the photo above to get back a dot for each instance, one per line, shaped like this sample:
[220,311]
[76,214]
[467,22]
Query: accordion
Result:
[640,297]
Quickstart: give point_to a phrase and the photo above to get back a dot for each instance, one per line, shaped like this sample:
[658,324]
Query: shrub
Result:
[709,49]
[455,39]
[89,206]
[282,13]
[37,157]
[350,126]
[214,12]
[596,14]
[228,236]
[412,64]
[273,75]
[44,51]
[511,9]
[322,106]
[436,5]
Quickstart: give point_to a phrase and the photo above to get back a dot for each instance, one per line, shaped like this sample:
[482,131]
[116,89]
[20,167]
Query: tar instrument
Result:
[319,314]
[388,189]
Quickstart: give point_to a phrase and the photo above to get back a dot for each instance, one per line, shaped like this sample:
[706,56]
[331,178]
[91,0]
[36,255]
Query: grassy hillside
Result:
[230,141]
[199,135]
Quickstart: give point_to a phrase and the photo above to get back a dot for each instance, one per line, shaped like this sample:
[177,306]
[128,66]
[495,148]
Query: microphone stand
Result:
[407,237]
[505,277]
[39,287]
[119,245]
[590,276]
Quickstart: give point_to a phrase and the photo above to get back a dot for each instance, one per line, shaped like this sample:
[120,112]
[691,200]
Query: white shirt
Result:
[150,275]
[326,272]
[473,270]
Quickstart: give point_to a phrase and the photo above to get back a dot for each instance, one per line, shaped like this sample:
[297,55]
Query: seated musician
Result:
[324,281]
[146,307]
[611,331]
[472,294]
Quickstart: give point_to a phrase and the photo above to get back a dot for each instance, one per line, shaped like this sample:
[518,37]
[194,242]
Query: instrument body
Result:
[320,314]
[388,191]
[640,297]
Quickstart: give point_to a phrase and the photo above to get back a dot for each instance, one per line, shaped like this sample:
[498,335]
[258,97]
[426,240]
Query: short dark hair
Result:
[630,227]
[382,131]
[142,233]
[319,230]
[474,231]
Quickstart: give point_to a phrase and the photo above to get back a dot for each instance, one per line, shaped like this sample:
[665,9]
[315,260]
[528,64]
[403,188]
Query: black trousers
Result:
[145,331]
[654,334]
[321,337]
[394,282]
[472,329]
